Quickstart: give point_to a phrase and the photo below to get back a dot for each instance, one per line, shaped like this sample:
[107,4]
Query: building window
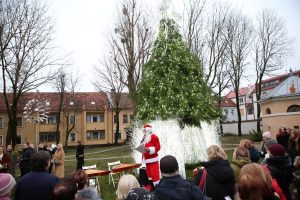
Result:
[72,119]
[1,122]
[19,121]
[1,140]
[241,99]
[50,120]
[115,119]
[95,118]
[250,110]
[19,139]
[268,111]
[293,108]
[125,119]
[296,127]
[95,135]
[72,137]
[131,118]
[232,112]
[47,137]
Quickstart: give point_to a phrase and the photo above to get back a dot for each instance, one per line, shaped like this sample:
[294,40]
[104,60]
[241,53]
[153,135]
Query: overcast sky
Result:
[82,27]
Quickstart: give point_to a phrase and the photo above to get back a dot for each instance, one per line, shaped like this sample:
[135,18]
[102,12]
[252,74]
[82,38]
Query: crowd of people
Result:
[254,173]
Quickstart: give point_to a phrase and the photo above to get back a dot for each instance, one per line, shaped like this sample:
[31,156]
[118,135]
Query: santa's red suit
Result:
[150,157]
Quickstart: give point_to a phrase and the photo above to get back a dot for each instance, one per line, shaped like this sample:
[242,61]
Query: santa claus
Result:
[150,156]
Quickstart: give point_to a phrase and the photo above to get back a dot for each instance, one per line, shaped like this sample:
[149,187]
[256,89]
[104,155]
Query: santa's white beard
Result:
[147,138]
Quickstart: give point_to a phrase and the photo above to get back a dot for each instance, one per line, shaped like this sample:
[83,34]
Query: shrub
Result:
[255,136]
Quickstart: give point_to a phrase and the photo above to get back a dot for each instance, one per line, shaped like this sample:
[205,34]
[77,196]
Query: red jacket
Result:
[154,146]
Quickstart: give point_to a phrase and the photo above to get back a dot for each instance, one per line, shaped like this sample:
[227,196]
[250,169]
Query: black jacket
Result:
[281,170]
[80,153]
[220,180]
[176,188]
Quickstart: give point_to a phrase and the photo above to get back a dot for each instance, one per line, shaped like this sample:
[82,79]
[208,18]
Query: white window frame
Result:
[69,138]
[99,118]
[70,117]
[2,124]
[21,121]
[91,135]
[51,117]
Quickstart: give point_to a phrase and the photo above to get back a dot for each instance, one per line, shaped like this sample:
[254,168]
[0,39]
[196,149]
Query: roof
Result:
[242,92]
[289,87]
[283,76]
[226,102]
[88,101]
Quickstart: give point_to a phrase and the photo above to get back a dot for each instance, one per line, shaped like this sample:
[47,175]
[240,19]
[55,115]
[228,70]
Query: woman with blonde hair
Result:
[217,175]
[240,157]
[254,153]
[126,183]
[254,183]
[58,161]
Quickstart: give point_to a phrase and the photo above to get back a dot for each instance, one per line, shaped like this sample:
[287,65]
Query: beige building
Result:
[87,116]
[281,107]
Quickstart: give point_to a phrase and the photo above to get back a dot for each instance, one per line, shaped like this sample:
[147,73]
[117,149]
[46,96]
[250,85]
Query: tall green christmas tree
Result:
[172,85]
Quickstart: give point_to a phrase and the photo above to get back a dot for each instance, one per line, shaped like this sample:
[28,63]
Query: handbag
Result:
[202,184]
[56,162]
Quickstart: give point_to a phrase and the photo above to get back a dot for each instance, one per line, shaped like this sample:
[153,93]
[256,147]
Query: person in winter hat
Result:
[280,166]
[7,183]
[150,156]
[139,194]
[172,185]
[267,145]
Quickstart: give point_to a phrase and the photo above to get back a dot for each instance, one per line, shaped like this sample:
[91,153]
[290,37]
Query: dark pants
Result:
[79,164]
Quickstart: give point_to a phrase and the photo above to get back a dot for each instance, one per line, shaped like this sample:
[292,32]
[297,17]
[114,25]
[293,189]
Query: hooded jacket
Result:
[220,180]
[281,169]
[237,164]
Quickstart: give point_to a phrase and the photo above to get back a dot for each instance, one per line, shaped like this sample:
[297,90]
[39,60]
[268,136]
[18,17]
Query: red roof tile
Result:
[88,101]
[226,102]
[242,92]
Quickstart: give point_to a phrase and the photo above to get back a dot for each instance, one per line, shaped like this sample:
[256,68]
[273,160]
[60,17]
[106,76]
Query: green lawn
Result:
[100,156]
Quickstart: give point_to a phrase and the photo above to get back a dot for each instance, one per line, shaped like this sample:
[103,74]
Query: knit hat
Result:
[277,150]
[7,182]
[270,142]
[139,194]
[87,194]
[168,164]
[147,128]
[267,134]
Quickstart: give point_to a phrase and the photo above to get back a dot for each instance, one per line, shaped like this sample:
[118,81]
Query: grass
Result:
[101,155]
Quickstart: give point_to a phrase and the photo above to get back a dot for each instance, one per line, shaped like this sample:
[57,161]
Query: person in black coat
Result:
[220,180]
[172,185]
[37,184]
[25,160]
[79,155]
[280,166]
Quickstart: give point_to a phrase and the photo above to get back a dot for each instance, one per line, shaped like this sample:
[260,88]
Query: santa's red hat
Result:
[147,128]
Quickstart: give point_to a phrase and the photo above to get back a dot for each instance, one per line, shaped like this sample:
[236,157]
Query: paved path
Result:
[72,157]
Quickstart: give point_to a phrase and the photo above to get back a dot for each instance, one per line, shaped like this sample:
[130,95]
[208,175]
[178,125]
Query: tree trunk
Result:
[117,128]
[239,113]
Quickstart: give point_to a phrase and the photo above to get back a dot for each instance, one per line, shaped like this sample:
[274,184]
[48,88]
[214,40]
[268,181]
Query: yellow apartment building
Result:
[88,113]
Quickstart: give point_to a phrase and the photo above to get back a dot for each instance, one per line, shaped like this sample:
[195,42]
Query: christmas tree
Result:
[172,85]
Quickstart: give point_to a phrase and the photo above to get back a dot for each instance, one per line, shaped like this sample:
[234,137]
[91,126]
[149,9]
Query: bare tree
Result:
[108,81]
[25,43]
[206,38]
[130,44]
[72,106]
[193,25]
[271,46]
[238,35]
[60,86]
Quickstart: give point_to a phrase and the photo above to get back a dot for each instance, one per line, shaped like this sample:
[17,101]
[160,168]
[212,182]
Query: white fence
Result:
[232,127]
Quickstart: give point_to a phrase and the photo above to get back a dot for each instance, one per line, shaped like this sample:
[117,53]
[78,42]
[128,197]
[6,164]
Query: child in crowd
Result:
[126,183]
[7,183]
